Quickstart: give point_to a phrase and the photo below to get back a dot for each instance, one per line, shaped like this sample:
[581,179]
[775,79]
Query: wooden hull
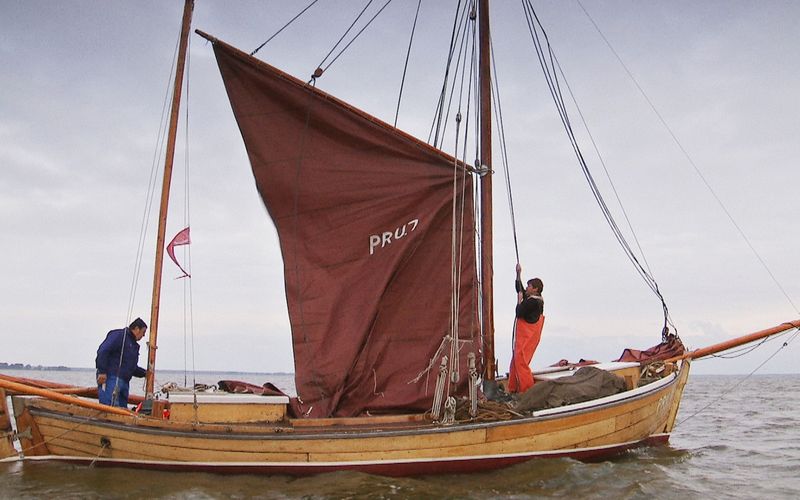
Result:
[6,431]
[381,445]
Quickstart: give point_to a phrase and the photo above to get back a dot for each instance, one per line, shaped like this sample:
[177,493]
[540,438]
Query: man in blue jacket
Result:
[117,361]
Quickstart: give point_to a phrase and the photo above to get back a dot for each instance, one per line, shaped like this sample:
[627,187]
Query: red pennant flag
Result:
[182,238]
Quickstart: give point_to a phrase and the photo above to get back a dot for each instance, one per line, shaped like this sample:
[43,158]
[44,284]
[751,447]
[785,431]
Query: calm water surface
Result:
[745,445]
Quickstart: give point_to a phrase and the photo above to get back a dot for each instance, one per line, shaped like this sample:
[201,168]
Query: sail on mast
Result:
[364,216]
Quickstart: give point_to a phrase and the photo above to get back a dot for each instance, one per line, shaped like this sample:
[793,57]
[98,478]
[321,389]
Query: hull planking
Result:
[394,446]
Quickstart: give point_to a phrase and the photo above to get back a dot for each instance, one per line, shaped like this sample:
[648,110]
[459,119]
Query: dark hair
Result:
[537,284]
[138,323]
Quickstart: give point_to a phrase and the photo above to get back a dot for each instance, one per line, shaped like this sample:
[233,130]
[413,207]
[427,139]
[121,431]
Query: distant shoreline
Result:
[22,366]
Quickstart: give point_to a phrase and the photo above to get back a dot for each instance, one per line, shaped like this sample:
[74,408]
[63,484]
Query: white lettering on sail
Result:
[387,237]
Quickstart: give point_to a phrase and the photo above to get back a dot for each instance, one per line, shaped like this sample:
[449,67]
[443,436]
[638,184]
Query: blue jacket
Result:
[108,355]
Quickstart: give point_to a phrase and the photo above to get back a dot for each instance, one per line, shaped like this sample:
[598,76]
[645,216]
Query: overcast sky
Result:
[81,91]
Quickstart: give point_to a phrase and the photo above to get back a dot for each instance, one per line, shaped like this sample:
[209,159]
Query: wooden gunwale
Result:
[146,425]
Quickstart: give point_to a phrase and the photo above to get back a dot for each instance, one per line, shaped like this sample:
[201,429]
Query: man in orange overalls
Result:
[527,332]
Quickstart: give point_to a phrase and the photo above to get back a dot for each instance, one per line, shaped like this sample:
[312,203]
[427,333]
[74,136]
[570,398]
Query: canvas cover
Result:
[364,214]
[669,348]
[240,387]
[586,384]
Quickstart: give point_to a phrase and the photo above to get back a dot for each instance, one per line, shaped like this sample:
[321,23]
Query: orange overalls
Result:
[526,340]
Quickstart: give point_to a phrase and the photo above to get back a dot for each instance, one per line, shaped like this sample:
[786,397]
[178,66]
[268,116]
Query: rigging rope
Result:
[188,310]
[691,161]
[405,66]
[320,70]
[498,111]
[740,382]
[158,160]
[747,349]
[454,274]
[459,67]
[46,440]
[151,186]
[148,204]
[458,212]
[548,63]
[284,27]
[438,115]
[344,34]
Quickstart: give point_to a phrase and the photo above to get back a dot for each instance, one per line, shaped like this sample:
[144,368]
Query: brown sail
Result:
[365,218]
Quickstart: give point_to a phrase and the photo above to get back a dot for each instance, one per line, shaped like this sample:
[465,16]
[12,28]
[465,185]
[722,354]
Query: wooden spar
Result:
[487,271]
[736,342]
[90,392]
[63,398]
[162,213]
[44,384]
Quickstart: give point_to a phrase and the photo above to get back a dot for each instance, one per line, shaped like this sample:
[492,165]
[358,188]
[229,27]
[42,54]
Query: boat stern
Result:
[30,439]
[7,449]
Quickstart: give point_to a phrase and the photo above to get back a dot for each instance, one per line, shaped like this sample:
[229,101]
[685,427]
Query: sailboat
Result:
[391,310]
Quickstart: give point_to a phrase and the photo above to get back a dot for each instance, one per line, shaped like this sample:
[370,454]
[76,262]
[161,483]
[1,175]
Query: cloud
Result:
[79,116]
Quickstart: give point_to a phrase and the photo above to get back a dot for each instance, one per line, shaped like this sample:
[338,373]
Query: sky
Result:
[83,86]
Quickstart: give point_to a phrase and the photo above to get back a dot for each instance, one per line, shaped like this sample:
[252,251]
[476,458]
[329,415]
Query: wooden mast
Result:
[165,186]
[487,271]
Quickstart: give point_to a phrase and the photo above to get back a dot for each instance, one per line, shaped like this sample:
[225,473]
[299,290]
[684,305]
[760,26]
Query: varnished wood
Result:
[56,396]
[5,416]
[164,206]
[361,421]
[30,438]
[683,377]
[70,430]
[227,412]
[736,342]
[6,431]
[631,376]
[487,255]
[90,392]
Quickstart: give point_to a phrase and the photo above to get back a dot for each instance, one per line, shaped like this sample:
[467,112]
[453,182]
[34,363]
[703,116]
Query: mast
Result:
[165,186]
[487,271]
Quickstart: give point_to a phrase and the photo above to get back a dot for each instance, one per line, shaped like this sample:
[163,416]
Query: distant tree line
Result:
[20,366]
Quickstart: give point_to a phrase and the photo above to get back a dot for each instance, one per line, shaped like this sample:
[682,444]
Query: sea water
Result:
[736,437]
